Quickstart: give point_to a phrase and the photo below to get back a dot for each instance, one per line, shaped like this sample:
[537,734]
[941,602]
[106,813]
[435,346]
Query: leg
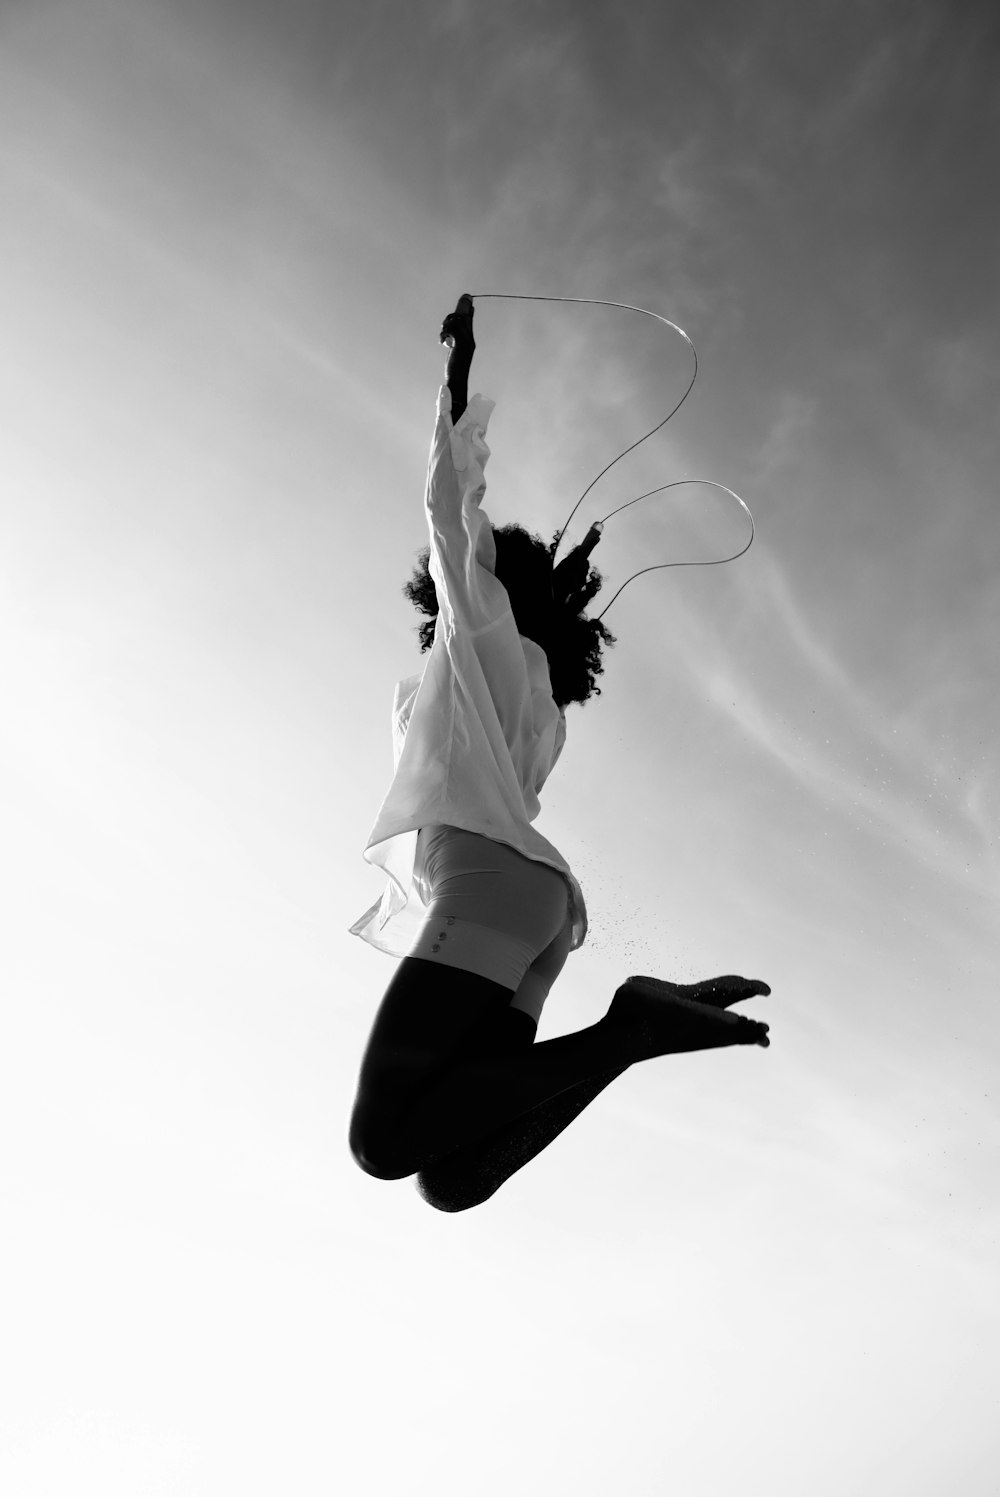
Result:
[484,1089]
[429,1019]
[473,1173]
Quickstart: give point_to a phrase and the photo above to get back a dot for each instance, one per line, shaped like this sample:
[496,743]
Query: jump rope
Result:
[594,533]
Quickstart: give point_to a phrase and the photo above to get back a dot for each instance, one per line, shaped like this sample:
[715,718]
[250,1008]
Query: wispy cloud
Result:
[787,441]
[852,753]
[681,186]
[964,369]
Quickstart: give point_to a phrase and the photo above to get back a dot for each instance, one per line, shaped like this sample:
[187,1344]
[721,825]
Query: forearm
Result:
[457,379]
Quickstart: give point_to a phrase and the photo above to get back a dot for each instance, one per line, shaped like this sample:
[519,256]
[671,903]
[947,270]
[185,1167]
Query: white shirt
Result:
[476,734]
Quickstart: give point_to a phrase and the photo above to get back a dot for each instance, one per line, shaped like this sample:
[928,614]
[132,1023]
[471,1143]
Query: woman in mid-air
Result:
[483,910]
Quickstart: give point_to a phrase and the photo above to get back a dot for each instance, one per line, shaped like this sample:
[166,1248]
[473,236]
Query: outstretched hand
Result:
[456,329]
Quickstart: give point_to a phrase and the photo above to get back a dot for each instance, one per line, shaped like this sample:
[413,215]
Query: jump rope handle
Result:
[463,308]
[571,573]
[591,538]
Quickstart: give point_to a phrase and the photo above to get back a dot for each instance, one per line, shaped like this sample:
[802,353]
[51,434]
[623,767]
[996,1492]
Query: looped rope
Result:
[627,307]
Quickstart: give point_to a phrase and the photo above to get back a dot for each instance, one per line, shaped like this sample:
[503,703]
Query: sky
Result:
[231,229]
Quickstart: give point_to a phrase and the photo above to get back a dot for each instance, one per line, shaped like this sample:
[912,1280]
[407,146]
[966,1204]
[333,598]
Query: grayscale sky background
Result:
[230,230]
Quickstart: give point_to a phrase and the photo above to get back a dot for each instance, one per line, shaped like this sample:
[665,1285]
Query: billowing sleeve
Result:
[463,553]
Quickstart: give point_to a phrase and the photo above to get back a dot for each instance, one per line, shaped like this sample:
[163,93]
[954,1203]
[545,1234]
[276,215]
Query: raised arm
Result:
[456,331]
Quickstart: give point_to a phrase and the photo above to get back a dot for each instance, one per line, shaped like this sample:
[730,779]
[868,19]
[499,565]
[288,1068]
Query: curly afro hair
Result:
[572,643]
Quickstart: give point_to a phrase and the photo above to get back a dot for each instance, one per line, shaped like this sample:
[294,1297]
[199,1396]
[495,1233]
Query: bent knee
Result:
[379,1167]
[373,1155]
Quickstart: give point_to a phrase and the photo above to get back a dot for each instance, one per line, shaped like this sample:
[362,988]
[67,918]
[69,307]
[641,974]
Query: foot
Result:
[720,992]
[456,329]
[666,1018]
